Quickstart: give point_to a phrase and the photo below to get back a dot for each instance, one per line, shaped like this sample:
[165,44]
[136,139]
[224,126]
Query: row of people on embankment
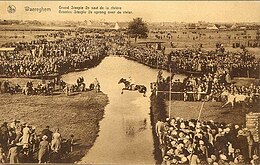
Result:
[237,64]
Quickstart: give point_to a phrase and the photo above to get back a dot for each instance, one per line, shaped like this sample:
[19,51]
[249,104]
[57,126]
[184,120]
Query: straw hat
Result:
[181,134]
[174,161]
[182,126]
[185,141]
[211,121]
[220,130]
[173,143]
[44,137]
[213,157]
[255,157]
[236,126]
[184,159]
[227,130]
[197,130]
[166,157]
[223,157]
[210,160]
[240,132]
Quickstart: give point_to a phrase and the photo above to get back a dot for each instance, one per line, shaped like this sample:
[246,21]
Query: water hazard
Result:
[125,135]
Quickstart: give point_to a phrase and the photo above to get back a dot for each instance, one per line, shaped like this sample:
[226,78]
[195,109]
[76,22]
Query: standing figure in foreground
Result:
[43,150]
[56,141]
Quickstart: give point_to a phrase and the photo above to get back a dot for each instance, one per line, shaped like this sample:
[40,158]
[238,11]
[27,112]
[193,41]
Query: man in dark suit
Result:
[48,133]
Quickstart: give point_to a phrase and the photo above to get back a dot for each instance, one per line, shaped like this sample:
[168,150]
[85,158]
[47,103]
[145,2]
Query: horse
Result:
[28,91]
[241,98]
[46,89]
[68,89]
[133,87]
[234,98]
[230,99]
[96,87]
[80,85]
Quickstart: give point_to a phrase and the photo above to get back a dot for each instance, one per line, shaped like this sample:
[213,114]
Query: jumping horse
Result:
[132,87]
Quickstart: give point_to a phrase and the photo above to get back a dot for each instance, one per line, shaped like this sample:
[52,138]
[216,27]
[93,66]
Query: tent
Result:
[234,26]
[212,27]
[116,26]
[89,23]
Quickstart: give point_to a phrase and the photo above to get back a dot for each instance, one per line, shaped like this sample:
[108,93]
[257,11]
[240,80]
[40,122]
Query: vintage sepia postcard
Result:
[130,82]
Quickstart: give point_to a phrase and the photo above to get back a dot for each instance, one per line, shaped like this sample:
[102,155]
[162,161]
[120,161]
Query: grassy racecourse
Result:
[77,114]
[210,111]
[213,110]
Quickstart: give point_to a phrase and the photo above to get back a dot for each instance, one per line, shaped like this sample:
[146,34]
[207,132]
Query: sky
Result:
[150,11]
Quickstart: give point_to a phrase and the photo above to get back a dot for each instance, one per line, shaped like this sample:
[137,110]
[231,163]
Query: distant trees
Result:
[138,28]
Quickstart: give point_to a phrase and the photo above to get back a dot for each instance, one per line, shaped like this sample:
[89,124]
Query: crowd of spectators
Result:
[237,64]
[208,87]
[19,143]
[206,142]
[42,57]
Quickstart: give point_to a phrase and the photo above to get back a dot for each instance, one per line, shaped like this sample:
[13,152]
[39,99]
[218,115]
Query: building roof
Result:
[223,27]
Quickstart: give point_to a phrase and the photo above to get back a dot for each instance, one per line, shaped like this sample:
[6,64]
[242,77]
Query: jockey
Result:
[96,85]
[131,81]
[159,76]
[29,84]
[96,82]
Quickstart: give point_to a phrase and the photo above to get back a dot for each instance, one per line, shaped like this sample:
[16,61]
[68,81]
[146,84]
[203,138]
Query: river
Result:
[125,135]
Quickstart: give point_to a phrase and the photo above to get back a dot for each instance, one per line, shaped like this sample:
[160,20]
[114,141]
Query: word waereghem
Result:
[37,9]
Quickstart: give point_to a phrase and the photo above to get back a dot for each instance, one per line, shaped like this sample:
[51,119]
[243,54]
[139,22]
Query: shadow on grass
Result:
[57,93]
[226,112]
[74,93]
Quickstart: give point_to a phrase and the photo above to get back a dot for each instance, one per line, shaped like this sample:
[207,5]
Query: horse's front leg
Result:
[144,94]
[122,91]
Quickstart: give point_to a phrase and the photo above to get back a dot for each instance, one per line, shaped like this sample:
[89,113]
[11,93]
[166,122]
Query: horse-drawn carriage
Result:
[8,87]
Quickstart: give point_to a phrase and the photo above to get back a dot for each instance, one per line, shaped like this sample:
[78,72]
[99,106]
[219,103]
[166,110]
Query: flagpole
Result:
[201,108]
[170,95]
